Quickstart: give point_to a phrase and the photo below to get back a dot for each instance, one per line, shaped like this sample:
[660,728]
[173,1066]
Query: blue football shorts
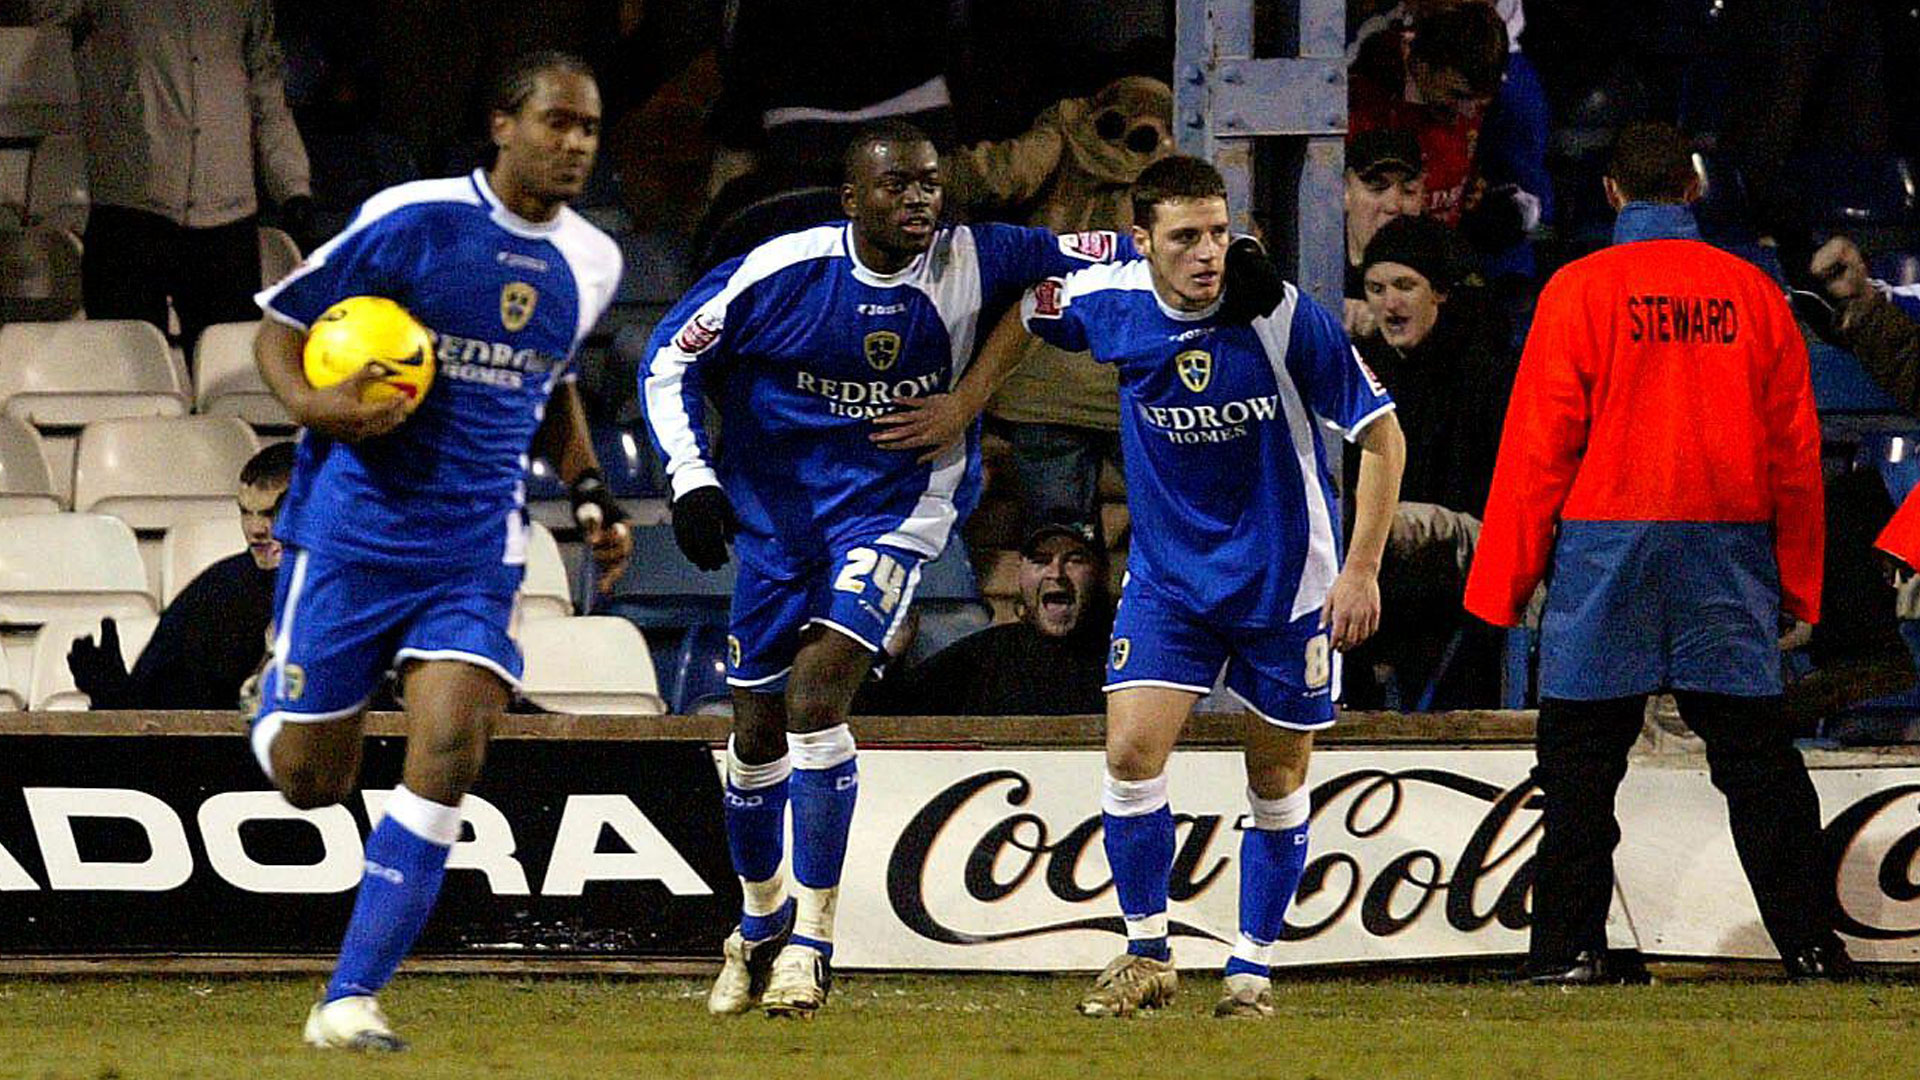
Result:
[862,590]
[340,626]
[1286,674]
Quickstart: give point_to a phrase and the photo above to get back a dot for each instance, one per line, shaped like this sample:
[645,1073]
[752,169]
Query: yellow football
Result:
[364,329]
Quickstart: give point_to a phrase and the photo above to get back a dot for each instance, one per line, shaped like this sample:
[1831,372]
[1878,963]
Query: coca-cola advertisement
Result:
[993,860]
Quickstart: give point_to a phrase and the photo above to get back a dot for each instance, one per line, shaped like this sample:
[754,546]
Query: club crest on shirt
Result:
[1195,367]
[733,652]
[882,348]
[516,304]
[1122,649]
[293,682]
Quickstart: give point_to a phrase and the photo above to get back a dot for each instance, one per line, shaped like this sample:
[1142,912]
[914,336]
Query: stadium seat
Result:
[66,374]
[589,664]
[154,473]
[779,212]
[13,692]
[192,546]
[55,565]
[56,184]
[278,255]
[226,382]
[26,485]
[698,671]
[1854,191]
[39,274]
[52,686]
[543,593]
[661,590]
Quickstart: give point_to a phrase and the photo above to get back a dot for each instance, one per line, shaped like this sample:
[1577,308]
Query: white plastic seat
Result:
[153,473]
[226,382]
[278,255]
[192,546]
[52,686]
[543,592]
[65,374]
[26,485]
[13,692]
[589,664]
[57,565]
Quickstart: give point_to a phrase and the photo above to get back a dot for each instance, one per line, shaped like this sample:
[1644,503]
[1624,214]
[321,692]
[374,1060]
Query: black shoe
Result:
[1826,962]
[1591,967]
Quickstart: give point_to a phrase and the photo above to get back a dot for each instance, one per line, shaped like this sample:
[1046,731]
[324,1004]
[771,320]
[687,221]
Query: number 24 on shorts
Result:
[884,571]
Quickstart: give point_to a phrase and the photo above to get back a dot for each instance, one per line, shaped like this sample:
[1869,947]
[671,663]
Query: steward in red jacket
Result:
[1661,454]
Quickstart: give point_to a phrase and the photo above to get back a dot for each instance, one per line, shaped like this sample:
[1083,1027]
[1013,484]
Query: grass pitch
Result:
[927,1027]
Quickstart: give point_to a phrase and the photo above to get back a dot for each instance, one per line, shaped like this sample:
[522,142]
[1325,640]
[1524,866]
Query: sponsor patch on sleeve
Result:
[700,332]
[1373,381]
[1047,296]
[1091,246]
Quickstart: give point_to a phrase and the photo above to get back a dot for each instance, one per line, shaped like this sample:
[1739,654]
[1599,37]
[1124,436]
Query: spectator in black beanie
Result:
[1444,351]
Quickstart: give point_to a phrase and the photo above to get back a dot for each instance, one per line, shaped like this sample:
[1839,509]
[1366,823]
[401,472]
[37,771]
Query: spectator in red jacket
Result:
[1434,81]
[1661,451]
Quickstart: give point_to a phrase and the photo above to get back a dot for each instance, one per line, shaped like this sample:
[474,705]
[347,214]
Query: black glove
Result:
[1254,284]
[296,217]
[591,498]
[98,670]
[703,522]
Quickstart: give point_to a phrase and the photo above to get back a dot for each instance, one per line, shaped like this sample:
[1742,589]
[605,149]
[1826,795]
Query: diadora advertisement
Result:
[960,859]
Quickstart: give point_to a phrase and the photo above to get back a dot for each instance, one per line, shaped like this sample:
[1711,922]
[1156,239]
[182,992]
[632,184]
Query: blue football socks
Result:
[825,786]
[406,859]
[1273,853]
[1139,842]
[756,818]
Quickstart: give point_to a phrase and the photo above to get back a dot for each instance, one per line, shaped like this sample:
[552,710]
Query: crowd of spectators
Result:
[1471,175]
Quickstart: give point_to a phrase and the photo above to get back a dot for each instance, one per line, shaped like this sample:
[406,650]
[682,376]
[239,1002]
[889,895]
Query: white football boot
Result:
[1245,994]
[351,1023]
[744,972]
[799,983]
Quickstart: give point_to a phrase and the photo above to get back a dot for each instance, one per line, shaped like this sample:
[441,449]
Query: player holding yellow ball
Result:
[371,331]
[406,543]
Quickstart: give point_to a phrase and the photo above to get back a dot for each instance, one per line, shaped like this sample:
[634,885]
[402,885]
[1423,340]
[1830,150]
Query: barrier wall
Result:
[976,846]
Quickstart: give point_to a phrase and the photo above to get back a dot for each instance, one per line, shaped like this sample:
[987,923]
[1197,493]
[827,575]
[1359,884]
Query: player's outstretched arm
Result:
[337,411]
[563,439]
[1353,605]
[933,424]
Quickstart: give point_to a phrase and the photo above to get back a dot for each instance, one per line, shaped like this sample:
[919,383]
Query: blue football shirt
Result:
[507,301]
[801,346]
[1228,483]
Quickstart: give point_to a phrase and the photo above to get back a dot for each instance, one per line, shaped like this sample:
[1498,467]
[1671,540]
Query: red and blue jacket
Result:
[1661,452]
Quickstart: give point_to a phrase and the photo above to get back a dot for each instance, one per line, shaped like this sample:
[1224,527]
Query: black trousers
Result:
[1775,814]
[135,262]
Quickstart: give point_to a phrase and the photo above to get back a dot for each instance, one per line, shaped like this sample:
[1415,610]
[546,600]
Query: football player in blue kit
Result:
[802,344]
[406,542]
[1235,567]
